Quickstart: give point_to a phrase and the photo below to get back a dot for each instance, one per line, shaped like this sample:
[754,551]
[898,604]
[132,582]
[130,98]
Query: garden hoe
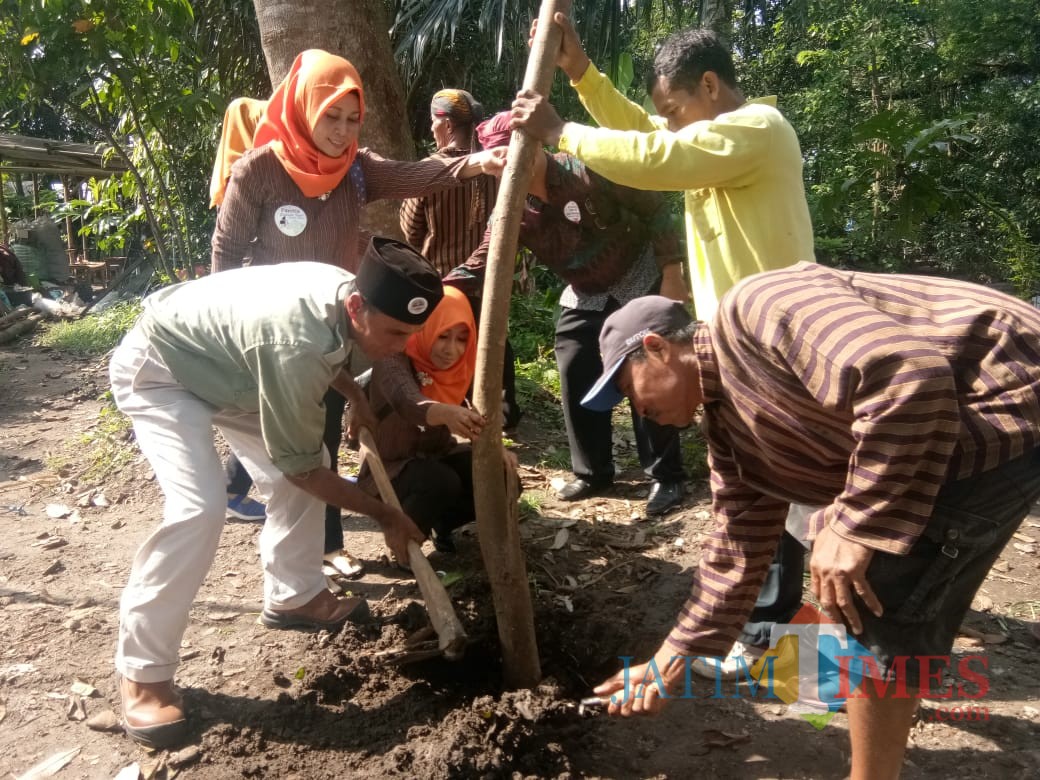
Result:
[451,636]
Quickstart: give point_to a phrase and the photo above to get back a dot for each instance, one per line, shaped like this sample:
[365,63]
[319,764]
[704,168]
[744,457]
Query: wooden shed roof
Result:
[20,153]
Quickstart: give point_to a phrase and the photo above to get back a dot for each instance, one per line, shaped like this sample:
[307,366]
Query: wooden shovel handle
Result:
[451,635]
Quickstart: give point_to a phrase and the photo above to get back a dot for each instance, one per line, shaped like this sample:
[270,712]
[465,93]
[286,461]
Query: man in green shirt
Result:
[252,352]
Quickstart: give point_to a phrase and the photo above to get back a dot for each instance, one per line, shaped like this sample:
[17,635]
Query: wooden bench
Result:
[90,272]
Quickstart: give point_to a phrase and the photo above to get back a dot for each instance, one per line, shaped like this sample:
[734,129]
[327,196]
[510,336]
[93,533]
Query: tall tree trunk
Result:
[497,521]
[717,16]
[359,31]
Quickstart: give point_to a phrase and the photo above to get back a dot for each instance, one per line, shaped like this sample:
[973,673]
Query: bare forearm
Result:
[344,384]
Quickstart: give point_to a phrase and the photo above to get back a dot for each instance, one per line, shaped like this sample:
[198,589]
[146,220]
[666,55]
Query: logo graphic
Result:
[812,665]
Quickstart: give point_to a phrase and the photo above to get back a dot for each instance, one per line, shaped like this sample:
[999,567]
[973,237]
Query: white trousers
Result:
[174,429]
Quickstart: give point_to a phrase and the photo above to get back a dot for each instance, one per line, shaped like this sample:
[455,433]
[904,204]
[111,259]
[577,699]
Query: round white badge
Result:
[572,212]
[291,220]
[418,305]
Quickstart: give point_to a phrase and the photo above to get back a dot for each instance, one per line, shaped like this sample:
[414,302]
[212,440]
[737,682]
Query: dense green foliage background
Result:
[918,120]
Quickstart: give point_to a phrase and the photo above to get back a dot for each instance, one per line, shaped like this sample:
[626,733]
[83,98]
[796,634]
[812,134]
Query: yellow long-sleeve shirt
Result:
[741,173]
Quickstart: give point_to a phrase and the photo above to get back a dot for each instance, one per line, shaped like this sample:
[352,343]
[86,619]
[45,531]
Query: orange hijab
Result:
[315,81]
[236,138]
[447,385]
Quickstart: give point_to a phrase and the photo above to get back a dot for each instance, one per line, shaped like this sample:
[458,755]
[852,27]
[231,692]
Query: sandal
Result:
[345,564]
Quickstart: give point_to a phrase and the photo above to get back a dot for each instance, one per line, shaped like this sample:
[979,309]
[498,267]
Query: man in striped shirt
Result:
[907,407]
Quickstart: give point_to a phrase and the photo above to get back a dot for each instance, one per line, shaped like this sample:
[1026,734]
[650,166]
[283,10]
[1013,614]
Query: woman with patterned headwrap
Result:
[447,226]
[299,192]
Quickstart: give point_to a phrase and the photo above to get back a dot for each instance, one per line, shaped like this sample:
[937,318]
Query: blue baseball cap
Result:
[623,334]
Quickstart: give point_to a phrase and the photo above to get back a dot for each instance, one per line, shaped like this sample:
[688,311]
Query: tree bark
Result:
[717,16]
[497,521]
[359,31]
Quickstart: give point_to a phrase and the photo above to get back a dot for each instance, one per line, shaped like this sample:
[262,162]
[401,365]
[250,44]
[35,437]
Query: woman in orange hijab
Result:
[298,195]
[424,425]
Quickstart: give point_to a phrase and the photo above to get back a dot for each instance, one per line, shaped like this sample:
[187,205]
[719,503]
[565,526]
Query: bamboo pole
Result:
[496,515]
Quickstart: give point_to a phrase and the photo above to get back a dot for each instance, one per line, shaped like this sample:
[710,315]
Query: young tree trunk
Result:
[359,31]
[497,521]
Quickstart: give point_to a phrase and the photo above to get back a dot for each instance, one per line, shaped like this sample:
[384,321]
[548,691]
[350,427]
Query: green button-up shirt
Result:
[265,339]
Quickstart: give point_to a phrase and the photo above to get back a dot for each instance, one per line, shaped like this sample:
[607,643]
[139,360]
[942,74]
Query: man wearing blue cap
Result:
[907,407]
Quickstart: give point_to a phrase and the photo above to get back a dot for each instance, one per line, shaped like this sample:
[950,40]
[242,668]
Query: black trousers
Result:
[781,594]
[589,433]
[239,480]
[437,493]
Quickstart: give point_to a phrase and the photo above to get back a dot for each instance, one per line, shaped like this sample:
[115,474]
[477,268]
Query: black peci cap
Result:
[398,281]
[623,334]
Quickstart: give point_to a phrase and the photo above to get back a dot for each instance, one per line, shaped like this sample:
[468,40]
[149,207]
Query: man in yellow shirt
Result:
[738,161]
[740,166]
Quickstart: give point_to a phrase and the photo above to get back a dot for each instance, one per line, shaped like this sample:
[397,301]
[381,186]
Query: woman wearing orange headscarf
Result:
[418,398]
[298,195]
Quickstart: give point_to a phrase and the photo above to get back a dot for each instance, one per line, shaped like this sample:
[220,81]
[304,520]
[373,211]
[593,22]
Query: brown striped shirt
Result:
[447,226]
[860,392]
[266,219]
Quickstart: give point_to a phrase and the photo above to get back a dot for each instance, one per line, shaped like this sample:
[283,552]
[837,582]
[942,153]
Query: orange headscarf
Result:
[236,138]
[315,81]
[448,385]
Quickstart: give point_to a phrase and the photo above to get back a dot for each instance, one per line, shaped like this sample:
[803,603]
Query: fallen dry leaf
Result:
[132,772]
[81,688]
[713,738]
[561,539]
[1024,538]
[222,615]
[51,766]
[106,720]
[54,568]
[185,756]
[1027,549]
[982,603]
[76,710]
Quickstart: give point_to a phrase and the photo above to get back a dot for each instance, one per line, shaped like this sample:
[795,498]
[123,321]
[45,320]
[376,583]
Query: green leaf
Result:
[451,577]
[626,72]
[300,673]
[818,721]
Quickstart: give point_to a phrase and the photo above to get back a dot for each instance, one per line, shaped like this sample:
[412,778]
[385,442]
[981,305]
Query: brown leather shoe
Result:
[153,713]
[322,611]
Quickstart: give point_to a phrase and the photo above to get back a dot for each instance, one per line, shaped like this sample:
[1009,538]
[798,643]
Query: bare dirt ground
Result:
[279,704]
